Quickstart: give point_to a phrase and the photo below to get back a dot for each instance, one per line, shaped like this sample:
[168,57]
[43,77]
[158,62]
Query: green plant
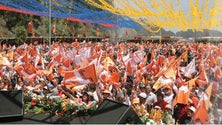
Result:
[21,34]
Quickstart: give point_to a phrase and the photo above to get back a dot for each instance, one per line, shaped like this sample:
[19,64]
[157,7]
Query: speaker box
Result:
[11,105]
[111,112]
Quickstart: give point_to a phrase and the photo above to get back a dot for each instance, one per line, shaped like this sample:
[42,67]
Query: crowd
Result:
[163,82]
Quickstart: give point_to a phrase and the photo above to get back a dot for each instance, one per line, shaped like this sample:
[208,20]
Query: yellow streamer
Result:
[156,14]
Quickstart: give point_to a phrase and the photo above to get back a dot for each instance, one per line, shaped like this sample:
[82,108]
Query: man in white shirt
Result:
[151,97]
[168,94]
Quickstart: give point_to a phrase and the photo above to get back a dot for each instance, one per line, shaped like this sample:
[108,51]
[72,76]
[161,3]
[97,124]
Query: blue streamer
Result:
[71,8]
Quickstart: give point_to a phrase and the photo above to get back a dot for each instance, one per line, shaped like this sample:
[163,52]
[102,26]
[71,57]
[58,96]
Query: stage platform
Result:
[32,118]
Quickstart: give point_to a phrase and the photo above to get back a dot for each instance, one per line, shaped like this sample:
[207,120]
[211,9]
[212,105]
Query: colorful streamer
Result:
[170,14]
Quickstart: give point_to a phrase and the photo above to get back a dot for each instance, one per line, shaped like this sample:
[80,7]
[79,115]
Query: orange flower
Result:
[64,108]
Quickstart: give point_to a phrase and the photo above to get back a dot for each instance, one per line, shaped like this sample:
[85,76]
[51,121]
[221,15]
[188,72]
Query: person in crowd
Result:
[19,84]
[142,96]
[106,94]
[142,87]
[134,87]
[187,118]
[160,101]
[194,98]
[168,94]
[139,108]
[93,90]
[30,28]
[129,93]
[151,97]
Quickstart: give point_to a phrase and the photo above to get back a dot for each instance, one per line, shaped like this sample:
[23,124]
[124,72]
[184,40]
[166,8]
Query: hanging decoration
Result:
[171,14]
[151,15]
[79,11]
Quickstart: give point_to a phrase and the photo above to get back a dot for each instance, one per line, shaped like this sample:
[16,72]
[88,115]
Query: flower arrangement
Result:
[55,105]
[41,104]
[156,115]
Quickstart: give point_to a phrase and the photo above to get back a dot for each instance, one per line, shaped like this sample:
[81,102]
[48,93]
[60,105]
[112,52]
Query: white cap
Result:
[157,107]
[192,109]
[143,95]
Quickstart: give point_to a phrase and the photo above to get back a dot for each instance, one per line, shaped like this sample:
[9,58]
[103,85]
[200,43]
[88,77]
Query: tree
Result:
[21,34]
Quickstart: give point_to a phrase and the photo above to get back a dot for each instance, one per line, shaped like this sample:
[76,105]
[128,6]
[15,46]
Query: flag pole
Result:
[160,36]
[50,25]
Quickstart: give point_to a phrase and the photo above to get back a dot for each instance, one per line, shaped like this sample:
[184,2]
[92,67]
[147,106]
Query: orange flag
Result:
[19,50]
[217,73]
[189,69]
[182,95]
[57,58]
[25,58]
[212,61]
[67,63]
[202,79]
[143,63]
[89,73]
[29,72]
[208,92]
[179,79]
[161,60]
[44,72]
[170,73]
[129,68]
[219,52]
[149,66]
[39,64]
[84,75]
[162,81]
[107,62]
[29,68]
[191,83]
[114,78]
[185,56]
[153,54]
[33,52]
[10,55]
[201,114]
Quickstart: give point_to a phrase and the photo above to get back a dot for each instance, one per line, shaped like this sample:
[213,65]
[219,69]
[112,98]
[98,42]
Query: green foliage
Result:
[41,28]
[21,34]
[16,24]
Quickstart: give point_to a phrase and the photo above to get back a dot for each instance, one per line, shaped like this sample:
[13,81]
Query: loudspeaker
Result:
[111,112]
[11,105]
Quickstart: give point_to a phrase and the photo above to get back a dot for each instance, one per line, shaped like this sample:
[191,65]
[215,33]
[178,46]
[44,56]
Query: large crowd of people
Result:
[163,82]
